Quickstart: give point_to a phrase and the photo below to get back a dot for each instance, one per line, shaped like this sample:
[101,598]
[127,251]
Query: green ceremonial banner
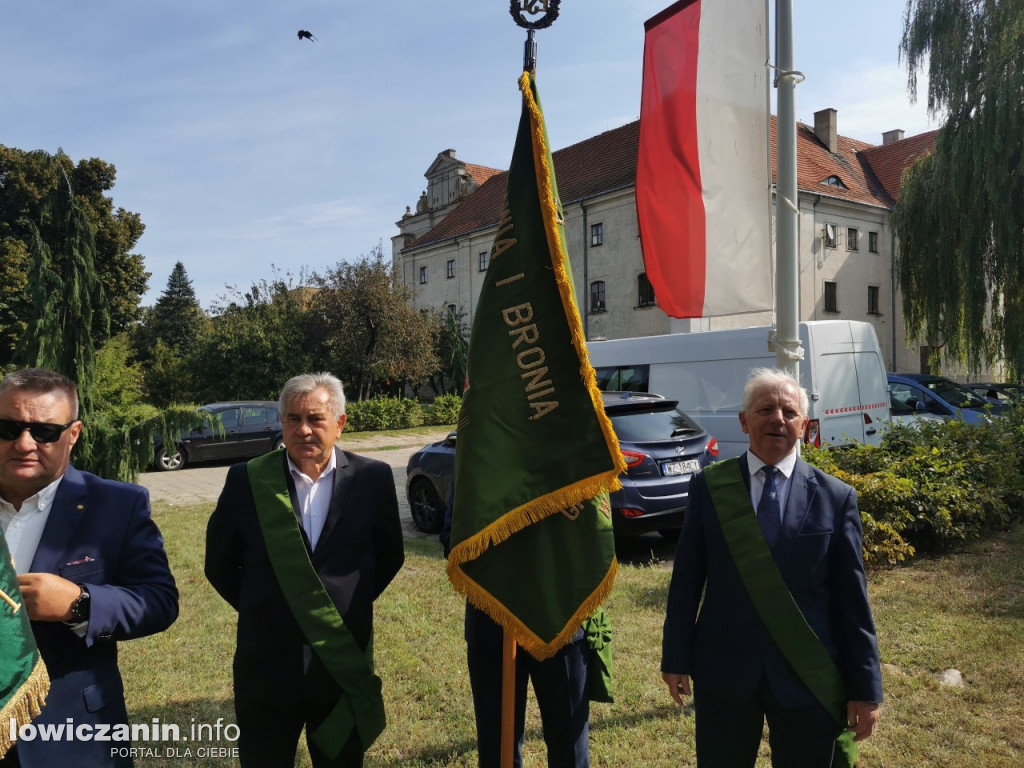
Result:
[532,542]
[23,679]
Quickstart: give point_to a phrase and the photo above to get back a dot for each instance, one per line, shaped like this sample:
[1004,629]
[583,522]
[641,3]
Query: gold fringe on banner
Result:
[24,705]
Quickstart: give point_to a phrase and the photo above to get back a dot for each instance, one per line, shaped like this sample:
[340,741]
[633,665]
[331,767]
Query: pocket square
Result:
[85,559]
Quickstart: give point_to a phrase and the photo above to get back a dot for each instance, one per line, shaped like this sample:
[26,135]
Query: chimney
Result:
[891,137]
[825,129]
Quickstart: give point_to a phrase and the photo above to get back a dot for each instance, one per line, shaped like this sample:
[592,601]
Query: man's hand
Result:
[862,717]
[678,686]
[47,596]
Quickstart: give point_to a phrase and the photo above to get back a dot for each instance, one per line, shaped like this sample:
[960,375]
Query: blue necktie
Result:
[769,514]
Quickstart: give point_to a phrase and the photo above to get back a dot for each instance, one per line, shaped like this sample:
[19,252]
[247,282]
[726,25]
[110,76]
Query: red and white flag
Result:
[703,193]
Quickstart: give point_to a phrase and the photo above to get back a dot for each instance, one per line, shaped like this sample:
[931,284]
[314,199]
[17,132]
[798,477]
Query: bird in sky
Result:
[305,34]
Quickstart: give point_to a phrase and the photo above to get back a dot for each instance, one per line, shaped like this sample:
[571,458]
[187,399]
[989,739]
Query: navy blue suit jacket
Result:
[359,551]
[723,645]
[100,534]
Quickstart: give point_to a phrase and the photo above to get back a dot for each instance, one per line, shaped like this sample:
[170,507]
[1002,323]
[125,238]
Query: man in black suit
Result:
[301,543]
[732,643]
[91,569]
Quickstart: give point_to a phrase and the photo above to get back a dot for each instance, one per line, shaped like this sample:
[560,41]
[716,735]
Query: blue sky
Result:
[244,148]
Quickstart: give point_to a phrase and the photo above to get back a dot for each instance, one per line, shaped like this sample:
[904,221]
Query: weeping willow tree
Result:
[959,221]
[66,294]
[69,322]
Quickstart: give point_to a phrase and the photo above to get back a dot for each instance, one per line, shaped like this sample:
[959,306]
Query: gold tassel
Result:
[26,704]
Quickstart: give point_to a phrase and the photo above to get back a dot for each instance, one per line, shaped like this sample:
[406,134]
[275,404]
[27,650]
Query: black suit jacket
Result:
[725,647]
[357,555]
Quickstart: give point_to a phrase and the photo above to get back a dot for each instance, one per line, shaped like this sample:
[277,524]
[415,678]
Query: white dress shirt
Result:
[783,480]
[23,528]
[314,497]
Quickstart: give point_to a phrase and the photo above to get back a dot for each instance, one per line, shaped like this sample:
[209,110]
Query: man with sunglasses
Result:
[91,568]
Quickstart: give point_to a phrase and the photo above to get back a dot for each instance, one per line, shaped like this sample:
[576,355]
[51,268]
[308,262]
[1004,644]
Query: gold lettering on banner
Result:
[501,243]
[506,280]
[531,359]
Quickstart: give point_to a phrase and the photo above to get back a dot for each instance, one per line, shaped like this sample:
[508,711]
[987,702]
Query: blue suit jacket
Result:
[99,534]
[723,645]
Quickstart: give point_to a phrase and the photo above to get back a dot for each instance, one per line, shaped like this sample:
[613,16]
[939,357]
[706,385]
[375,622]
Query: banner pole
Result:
[508,699]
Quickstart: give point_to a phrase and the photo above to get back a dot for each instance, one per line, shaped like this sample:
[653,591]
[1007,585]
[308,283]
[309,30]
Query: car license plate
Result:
[687,467]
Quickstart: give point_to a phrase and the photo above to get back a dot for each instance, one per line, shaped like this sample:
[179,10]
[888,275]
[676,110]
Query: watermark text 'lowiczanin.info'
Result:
[145,733]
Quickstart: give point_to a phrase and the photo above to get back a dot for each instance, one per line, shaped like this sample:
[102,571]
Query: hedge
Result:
[931,486]
[382,413]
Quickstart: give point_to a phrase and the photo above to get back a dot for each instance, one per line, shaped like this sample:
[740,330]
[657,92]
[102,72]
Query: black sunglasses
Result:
[41,432]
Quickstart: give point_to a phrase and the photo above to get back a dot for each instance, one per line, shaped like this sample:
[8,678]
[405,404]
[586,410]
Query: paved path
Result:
[202,484]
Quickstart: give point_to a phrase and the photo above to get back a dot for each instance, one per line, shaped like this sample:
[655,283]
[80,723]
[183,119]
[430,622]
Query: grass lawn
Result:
[963,611]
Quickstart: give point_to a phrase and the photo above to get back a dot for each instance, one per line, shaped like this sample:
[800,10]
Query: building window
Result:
[873,300]
[423,275]
[484,256]
[873,242]
[831,235]
[645,291]
[596,235]
[831,296]
[451,268]
[597,297]
[851,238]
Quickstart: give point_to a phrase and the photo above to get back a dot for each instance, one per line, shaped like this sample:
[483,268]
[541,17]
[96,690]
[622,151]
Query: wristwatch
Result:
[80,608]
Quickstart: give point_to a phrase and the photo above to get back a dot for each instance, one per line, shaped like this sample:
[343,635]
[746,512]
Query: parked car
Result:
[663,448]
[1002,394]
[937,395]
[902,406]
[247,429]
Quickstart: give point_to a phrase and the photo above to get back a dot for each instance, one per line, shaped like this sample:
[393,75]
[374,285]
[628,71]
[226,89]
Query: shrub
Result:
[381,413]
[933,486]
[444,410]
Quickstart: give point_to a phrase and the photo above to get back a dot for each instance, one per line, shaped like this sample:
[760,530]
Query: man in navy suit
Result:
[91,564]
[740,676]
[332,522]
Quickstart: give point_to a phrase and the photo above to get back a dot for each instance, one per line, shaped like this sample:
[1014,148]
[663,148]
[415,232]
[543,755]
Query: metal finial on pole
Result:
[548,10]
[530,52]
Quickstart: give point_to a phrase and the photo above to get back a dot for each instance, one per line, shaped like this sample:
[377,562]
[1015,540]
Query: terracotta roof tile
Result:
[890,160]
[608,161]
[815,165]
[480,173]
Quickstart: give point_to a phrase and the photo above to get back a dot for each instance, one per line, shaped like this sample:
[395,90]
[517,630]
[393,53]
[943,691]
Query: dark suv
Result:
[247,429]
[663,448]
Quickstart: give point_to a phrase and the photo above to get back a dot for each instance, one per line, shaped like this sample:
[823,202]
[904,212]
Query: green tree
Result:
[369,333]
[252,345]
[452,353]
[67,299]
[117,231]
[168,377]
[959,221]
[27,180]
[177,318]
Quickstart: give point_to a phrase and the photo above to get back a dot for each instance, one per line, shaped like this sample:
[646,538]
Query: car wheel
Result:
[670,534]
[425,504]
[170,458]
[279,445]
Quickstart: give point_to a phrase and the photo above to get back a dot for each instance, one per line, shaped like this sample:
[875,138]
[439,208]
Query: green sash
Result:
[775,605]
[361,705]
